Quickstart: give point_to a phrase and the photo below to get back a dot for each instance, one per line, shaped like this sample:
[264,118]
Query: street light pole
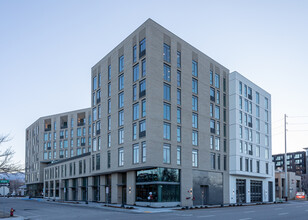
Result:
[285,157]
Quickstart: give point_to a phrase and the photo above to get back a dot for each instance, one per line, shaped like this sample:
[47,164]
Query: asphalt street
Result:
[33,210]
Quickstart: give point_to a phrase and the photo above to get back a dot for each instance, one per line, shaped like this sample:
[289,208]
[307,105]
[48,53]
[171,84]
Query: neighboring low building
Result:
[294,184]
[296,162]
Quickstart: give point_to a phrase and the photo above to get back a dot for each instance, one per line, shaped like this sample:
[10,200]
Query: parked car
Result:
[300,196]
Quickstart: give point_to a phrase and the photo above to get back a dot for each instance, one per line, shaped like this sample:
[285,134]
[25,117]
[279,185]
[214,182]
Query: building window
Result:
[241,164]
[166,153]
[246,165]
[134,53]
[167,73]
[178,78]
[218,161]
[142,128]
[266,115]
[217,143]
[195,138]
[167,93]
[94,83]
[217,97]
[134,131]
[194,86]
[109,106]
[178,155]
[194,103]
[240,102]
[109,72]
[109,140]
[136,72]
[121,136]
[212,94]
[167,53]
[167,131]
[266,153]
[217,81]
[121,118]
[217,112]
[211,142]
[109,89]
[266,168]
[121,157]
[121,100]
[143,108]
[213,162]
[257,98]
[144,152]
[134,93]
[178,96]
[225,162]
[142,48]
[98,161]
[109,159]
[178,115]
[194,120]
[109,123]
[121,63]
[211,77]
[251,168]
[266,103]
[178,132]
[121,82]
[136,111]
[212,126]
[167,111]
[194,68]
[195,158]
[258,166]
[136,153]
[144,68]
[178,59]
[142,88]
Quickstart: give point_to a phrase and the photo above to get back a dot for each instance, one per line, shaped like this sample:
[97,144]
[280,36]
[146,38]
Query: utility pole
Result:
[285,157]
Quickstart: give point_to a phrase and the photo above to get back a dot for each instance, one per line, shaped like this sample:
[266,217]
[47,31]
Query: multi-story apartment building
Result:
[160,124]
[251,169]
[158,132]
[296,162]
[53,138]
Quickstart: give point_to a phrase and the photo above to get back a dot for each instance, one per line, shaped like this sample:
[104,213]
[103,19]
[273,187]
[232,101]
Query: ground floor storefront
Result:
[251,190]
[35,190]
[156,187]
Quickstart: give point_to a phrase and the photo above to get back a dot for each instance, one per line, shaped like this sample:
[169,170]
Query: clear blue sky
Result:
[47,49]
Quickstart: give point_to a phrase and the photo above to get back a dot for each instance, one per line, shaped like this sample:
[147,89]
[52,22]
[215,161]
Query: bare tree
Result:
[7,165]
